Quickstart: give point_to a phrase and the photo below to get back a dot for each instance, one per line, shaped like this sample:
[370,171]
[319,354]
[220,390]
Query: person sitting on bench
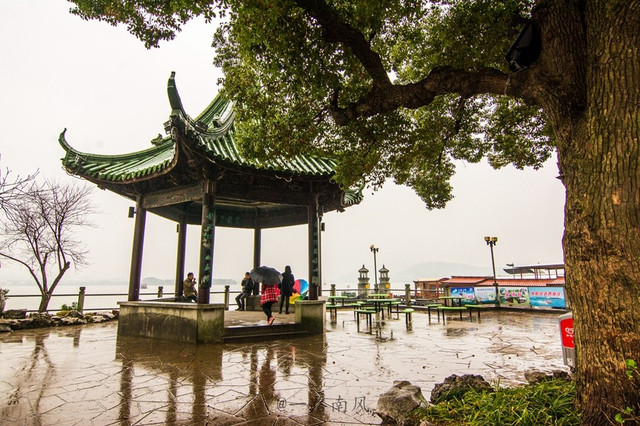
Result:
[247,290]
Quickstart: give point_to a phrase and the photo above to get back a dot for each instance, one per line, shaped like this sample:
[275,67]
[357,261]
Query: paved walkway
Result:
[86,375]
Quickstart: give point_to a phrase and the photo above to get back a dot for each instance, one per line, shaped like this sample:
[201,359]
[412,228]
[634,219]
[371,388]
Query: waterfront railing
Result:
[109,301]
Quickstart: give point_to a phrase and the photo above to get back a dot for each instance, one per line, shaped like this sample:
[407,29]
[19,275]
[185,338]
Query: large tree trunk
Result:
[600,162]
[44,302]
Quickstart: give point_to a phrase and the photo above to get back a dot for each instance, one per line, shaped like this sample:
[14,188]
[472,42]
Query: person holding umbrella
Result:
[286,288]
[270,279]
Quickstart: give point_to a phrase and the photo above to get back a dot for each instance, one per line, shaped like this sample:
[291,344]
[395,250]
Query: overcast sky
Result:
[100,83]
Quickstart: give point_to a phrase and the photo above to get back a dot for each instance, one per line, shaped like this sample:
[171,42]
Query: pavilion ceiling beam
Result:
[173,196]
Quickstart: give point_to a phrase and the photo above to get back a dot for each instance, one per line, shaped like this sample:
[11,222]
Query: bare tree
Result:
[40,232]
[11,187]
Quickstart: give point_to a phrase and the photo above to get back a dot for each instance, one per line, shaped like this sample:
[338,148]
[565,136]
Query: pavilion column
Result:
[314,247]
[136,252]
[180,256]
[207,237]
[320,229]
[257,246]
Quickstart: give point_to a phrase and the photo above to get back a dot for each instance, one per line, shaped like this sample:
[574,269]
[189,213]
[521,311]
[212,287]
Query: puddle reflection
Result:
[86,375]
[239,381]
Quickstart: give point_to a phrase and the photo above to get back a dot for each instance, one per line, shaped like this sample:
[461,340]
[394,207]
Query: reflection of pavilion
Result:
[197,176]
[221,384]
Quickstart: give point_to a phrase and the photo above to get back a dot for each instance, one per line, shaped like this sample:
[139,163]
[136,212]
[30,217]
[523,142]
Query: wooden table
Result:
[377,303]
[379,295]
[340,298]
[476,307]
[452,298]
[445,309]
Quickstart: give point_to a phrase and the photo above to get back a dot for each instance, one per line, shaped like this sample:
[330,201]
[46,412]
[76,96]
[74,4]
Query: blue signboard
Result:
[547,297]
[466,292]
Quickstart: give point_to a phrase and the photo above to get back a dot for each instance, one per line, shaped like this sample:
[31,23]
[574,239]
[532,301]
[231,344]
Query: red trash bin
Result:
[566,339]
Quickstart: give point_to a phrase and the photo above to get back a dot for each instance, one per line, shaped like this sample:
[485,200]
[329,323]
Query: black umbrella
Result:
[266,275]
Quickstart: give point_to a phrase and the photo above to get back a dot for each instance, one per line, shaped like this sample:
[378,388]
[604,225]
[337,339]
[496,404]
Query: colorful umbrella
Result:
[301,287]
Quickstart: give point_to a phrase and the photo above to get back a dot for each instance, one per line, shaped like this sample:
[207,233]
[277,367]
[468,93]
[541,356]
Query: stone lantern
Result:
[385,285]
[363,282]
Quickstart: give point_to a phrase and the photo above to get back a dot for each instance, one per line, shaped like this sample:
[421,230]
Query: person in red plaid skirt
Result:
[269,297]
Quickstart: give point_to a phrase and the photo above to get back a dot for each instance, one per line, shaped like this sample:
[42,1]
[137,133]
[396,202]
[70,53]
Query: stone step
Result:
[258,332]
[264,336]
[241,330]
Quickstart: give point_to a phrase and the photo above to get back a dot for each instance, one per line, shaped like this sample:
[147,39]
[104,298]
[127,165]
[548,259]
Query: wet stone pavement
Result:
[86,375]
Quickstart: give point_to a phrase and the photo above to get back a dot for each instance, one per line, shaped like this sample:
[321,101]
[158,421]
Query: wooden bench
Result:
[445,309]
[333,310]
[357,305]
[472,307]
[432,305]
[397,305]
[368,314]
[407,315]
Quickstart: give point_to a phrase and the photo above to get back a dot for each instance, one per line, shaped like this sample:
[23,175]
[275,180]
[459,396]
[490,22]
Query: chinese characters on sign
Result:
[339,405]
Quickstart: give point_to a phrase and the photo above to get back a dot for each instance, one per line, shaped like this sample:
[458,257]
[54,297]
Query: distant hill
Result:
[420,270]
[438,270]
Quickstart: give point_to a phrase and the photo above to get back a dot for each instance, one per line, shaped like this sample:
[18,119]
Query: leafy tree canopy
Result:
[374,85]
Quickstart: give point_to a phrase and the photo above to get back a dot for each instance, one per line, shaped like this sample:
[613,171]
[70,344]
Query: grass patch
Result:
[546,403]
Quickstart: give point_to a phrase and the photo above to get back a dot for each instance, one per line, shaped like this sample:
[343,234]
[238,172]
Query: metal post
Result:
[407,295]
[226,297]
[81,299]
[492,241]
[375,249]
[160,291]
[333,289]
[495,283]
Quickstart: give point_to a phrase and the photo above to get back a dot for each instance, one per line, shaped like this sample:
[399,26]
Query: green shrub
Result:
[72,307]
[546,403]
[629,414]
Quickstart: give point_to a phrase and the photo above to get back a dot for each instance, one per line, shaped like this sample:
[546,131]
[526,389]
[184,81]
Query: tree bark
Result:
[599,161]
[44,302]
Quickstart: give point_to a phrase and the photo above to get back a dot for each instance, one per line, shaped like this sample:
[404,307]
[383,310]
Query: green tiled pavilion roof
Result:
[211,132]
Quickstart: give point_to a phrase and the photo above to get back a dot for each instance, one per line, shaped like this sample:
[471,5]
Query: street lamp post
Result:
[374,250]
[492,241]
[513,269]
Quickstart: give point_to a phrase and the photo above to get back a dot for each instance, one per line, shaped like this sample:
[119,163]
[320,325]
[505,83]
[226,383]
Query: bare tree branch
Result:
[10,189]
[26,265]
[39,232]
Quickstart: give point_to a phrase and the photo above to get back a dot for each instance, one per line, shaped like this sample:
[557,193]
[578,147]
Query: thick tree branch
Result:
[336,30]
[26,265]
[440,81]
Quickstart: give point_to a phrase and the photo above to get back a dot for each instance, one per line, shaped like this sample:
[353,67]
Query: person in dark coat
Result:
[247,290]
[189,288]
[286,288]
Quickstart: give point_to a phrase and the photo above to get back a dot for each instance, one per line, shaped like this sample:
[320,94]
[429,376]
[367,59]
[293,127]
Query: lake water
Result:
[97,296]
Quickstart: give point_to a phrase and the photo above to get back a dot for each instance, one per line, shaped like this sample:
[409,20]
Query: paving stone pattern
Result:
[86,375]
